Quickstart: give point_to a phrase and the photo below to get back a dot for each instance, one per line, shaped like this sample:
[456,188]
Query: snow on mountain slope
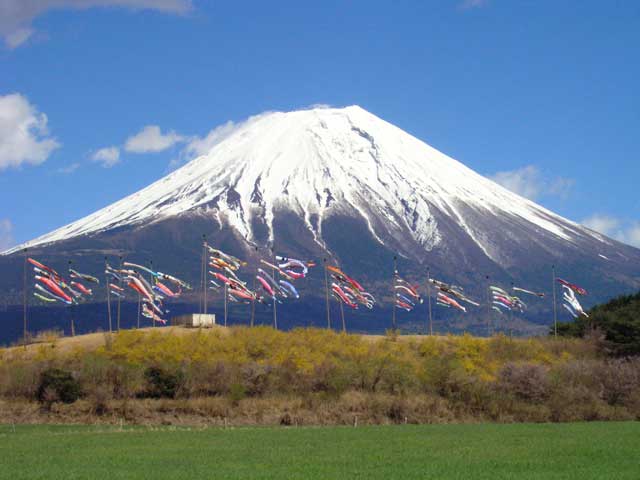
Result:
[321,162]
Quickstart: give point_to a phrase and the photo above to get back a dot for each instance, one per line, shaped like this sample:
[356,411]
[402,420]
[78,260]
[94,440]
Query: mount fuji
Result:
[343,184]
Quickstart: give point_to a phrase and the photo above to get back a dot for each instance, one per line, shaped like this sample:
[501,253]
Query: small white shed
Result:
[195,320]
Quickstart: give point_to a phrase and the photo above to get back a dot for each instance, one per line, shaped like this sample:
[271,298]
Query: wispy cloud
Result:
[151,139]
[200,145]
[321,106]
[6,234]
[107,157]
[559,187]
[16,16]
[196,146]
[469,4]
[624,231]
[529,182]
[17,37]
[24,136]
[69,169]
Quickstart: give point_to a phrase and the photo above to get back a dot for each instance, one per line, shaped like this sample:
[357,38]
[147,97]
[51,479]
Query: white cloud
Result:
[560,187]
[321,106]
[196,146]
[601,223]
[17,37]
[632,235]
[6,234]
[69,168]
[530,183]
[151,139]
[469,4]
[16,16]
[624,231]
[108,156]
[523,181]
[24,137]
[200,145]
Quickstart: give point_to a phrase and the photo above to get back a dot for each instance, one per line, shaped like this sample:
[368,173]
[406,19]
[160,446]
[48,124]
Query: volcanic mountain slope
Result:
[344,184]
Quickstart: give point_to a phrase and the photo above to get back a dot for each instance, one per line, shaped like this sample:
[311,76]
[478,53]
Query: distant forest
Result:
[618,321]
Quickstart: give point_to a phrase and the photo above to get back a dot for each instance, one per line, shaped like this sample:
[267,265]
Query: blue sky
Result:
[98,98]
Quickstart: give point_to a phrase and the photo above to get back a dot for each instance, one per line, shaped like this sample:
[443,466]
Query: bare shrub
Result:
[111,377]
[256,378]
[353,402]
[442,375]
[397,377]
[429,409]
[398,410]
[526,381]
[126,379]
[331,378]
[619,379]
[20,379]
[207,378]
[575,392]
[99,400]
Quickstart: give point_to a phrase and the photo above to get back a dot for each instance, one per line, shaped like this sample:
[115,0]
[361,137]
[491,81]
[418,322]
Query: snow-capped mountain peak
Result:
[325,161]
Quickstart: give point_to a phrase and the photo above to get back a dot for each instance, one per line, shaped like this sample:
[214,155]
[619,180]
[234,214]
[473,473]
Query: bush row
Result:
[464,377]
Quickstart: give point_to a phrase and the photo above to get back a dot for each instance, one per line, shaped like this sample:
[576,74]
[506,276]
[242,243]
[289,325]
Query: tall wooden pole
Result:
[106,278]
[344,325]
[429,301]
[202,283]
[326,288]
[204,275]
[511,316]
[226,299]
[253,300]
[275,303]
[488,306]
[119,299]
[24,300]
[555,306]
[73,329]
[153,320]
[393,290]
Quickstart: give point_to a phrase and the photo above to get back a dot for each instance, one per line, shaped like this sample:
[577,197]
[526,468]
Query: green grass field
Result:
[550,451]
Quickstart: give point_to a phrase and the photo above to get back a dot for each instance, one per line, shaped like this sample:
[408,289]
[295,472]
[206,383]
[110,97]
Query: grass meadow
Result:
[481,451]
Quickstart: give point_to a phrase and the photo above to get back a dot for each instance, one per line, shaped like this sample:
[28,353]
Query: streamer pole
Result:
[555,305]
[276,275]
[153,319]
[24,300]
[395,272]
[253,300]
[119,300]
[326,288]
[429,301]
[204,274]
[226,297]
[106,278]
[488,306]
[73,330]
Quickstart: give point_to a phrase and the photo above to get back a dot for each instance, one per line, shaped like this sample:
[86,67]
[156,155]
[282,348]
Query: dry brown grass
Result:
[89,341]
[351,408]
